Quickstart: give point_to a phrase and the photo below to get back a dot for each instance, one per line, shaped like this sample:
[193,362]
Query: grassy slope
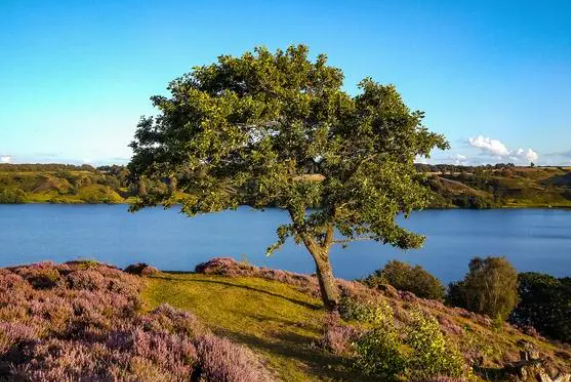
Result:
[284,325]
[522,187]
[51,187]
[273,319]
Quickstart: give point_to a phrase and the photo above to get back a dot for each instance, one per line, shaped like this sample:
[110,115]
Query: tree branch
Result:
[345,241]
[329,235]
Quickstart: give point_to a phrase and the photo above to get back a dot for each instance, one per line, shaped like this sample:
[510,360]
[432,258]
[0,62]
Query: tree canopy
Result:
[406,277]
[277,129]
[545,304]
[490,287]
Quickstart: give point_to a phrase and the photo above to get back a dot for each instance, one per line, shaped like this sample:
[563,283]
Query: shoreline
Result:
[126,203]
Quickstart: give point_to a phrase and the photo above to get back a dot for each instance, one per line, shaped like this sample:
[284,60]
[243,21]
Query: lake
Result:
[533,239]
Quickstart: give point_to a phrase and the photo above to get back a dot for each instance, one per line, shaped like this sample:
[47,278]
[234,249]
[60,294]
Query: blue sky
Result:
[493,76]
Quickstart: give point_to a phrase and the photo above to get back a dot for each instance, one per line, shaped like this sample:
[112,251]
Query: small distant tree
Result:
[489,287]
[249,130]
[409,278]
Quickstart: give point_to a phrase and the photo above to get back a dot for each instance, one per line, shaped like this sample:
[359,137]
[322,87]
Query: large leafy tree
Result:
[276,129]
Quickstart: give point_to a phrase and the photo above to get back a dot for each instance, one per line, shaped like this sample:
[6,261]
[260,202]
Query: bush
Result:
[337,337]
[141,269]
[489,287]
[408,278]
[378,350]
[416,351]
[11,196]
[431,356]
[371,311]
[545,305]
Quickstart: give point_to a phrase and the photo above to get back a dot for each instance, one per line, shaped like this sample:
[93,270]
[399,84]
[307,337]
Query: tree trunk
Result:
[320,254]
[327,284]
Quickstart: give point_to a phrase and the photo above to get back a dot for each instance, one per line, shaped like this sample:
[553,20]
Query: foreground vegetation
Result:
[452,186]
[234,322]
[83,322]
[278,315]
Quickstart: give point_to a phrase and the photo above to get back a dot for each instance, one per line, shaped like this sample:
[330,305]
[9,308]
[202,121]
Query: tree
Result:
[409,278]
[245,131]
[545,304]
[489,287]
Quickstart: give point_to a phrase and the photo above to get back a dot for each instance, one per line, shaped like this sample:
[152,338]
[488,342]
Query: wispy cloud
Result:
[5,159]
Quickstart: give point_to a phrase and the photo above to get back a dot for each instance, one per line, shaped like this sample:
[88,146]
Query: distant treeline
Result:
[452,186]
[8,167]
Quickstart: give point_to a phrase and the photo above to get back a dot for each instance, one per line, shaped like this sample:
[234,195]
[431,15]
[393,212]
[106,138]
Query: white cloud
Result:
[497,151]
[489,145]
[530,155]
[458,159]
[5,159]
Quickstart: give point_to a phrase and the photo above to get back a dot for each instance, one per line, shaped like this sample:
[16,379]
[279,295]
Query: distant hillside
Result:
[452,186]
[498,186]
[57,183]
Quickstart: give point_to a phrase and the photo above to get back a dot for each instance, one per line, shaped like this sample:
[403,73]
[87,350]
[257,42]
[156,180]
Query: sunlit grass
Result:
[276,321]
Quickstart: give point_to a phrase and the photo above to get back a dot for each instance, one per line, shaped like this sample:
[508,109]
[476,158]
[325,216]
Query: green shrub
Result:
[379,355]
[12,196]
[430,355]
[408,278]
[387,352]
[378,349]
[369,312]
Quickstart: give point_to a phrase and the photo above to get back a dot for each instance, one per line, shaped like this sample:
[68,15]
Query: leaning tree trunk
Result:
[327,284]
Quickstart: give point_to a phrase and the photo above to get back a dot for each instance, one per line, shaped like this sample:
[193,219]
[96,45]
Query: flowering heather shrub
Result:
[12,332]
[226,266]
[337,337]
[87,280]
[141,269]
[221,361]
[448,326]
[81,322]
[165,318]
[41,275]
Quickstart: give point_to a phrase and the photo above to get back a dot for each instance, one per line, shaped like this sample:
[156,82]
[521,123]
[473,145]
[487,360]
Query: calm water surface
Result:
[533,239]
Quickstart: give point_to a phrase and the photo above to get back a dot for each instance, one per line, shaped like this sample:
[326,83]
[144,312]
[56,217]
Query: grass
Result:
[279,323]
[284,326]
